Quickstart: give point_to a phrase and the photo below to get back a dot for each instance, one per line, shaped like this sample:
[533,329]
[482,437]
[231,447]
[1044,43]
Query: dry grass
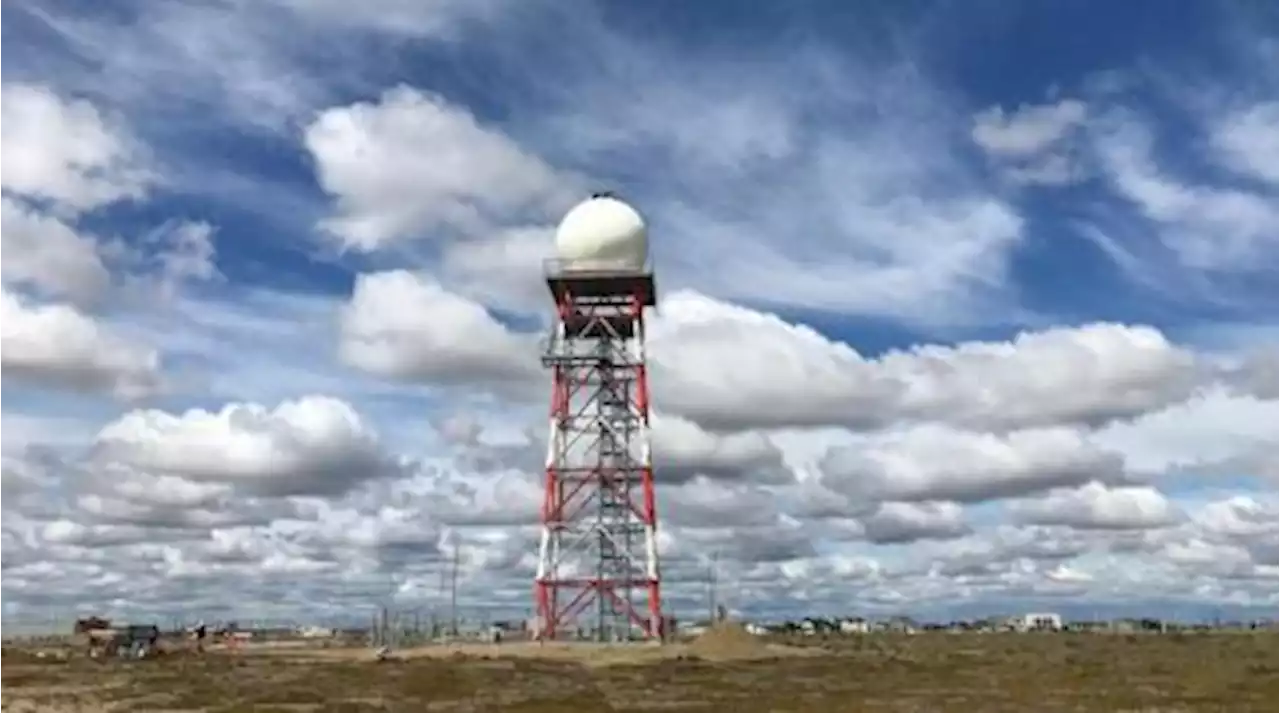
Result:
[936,672]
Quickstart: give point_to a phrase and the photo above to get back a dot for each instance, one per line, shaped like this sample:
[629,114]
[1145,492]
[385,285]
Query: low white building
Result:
[1039,621]
[317,632]
[854,626]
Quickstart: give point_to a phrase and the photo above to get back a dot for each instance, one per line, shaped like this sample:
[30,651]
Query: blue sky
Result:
[935,63]
[527,72]
[1046,228]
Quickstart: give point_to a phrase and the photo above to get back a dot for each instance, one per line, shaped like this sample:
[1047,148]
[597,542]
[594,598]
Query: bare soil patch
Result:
[727,642]
[730,641]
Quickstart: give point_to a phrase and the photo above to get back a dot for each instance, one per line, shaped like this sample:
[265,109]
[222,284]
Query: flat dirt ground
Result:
[971,673]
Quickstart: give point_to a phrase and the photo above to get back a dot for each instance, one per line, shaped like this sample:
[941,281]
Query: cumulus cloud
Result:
[1238,516]
[1213,433]
[940,463]
[404,325]
[67,162]
[56,345]
[719,364]
[47,255]
[705,503]
[504,269]
[65,152]
[1098,506]
[414,165]
[313,445]
[901,522]
[683,450]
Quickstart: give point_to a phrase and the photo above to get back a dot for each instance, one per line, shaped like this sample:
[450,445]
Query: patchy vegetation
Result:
[988,673]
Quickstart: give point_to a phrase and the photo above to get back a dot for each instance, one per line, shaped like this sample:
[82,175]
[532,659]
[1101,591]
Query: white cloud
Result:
[939,463]
[1099,506]
[1027,130]
[720,364]
[1248,141]
[58,346]
[1202,557]
[921,245]
[48,255]
[1063,573]
[1099,372]
[65,160]
[1213,432]
[66,152]
[705,503]
[398,18]
[311,445]
[1207,227]
[727,366]
[413,165]
[166,59]
[893,522]
[504,270]
[808,173]
[406,326]
[915,256]
[683,450]
[1035,144]
[181,251]
[1239,516]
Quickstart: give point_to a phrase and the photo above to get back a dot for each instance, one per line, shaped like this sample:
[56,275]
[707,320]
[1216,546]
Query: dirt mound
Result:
[728,640]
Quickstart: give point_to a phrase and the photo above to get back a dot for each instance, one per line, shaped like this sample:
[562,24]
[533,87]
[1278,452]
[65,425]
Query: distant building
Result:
[856,625]
[1037,622]
[317,632]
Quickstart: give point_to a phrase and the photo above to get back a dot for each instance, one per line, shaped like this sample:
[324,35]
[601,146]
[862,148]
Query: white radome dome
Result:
[603,233]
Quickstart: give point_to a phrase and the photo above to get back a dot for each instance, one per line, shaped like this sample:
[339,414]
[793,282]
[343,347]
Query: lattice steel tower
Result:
[598,551]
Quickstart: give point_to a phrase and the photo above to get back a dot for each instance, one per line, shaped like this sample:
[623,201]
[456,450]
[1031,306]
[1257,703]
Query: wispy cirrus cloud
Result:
[832,179]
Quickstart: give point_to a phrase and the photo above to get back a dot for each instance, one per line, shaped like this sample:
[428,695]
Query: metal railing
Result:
[555,267]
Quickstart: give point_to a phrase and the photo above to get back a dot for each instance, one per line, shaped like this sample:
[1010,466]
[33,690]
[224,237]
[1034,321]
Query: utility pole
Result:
[437,615]
[711,588]
[453,593]
[388,611]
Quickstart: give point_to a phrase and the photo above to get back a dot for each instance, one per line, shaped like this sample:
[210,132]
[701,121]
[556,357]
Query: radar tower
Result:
[599,550]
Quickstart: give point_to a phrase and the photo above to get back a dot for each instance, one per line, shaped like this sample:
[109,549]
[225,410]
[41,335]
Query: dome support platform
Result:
[594,279]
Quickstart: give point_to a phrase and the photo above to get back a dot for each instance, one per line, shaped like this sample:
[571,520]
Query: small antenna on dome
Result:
[604,194]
